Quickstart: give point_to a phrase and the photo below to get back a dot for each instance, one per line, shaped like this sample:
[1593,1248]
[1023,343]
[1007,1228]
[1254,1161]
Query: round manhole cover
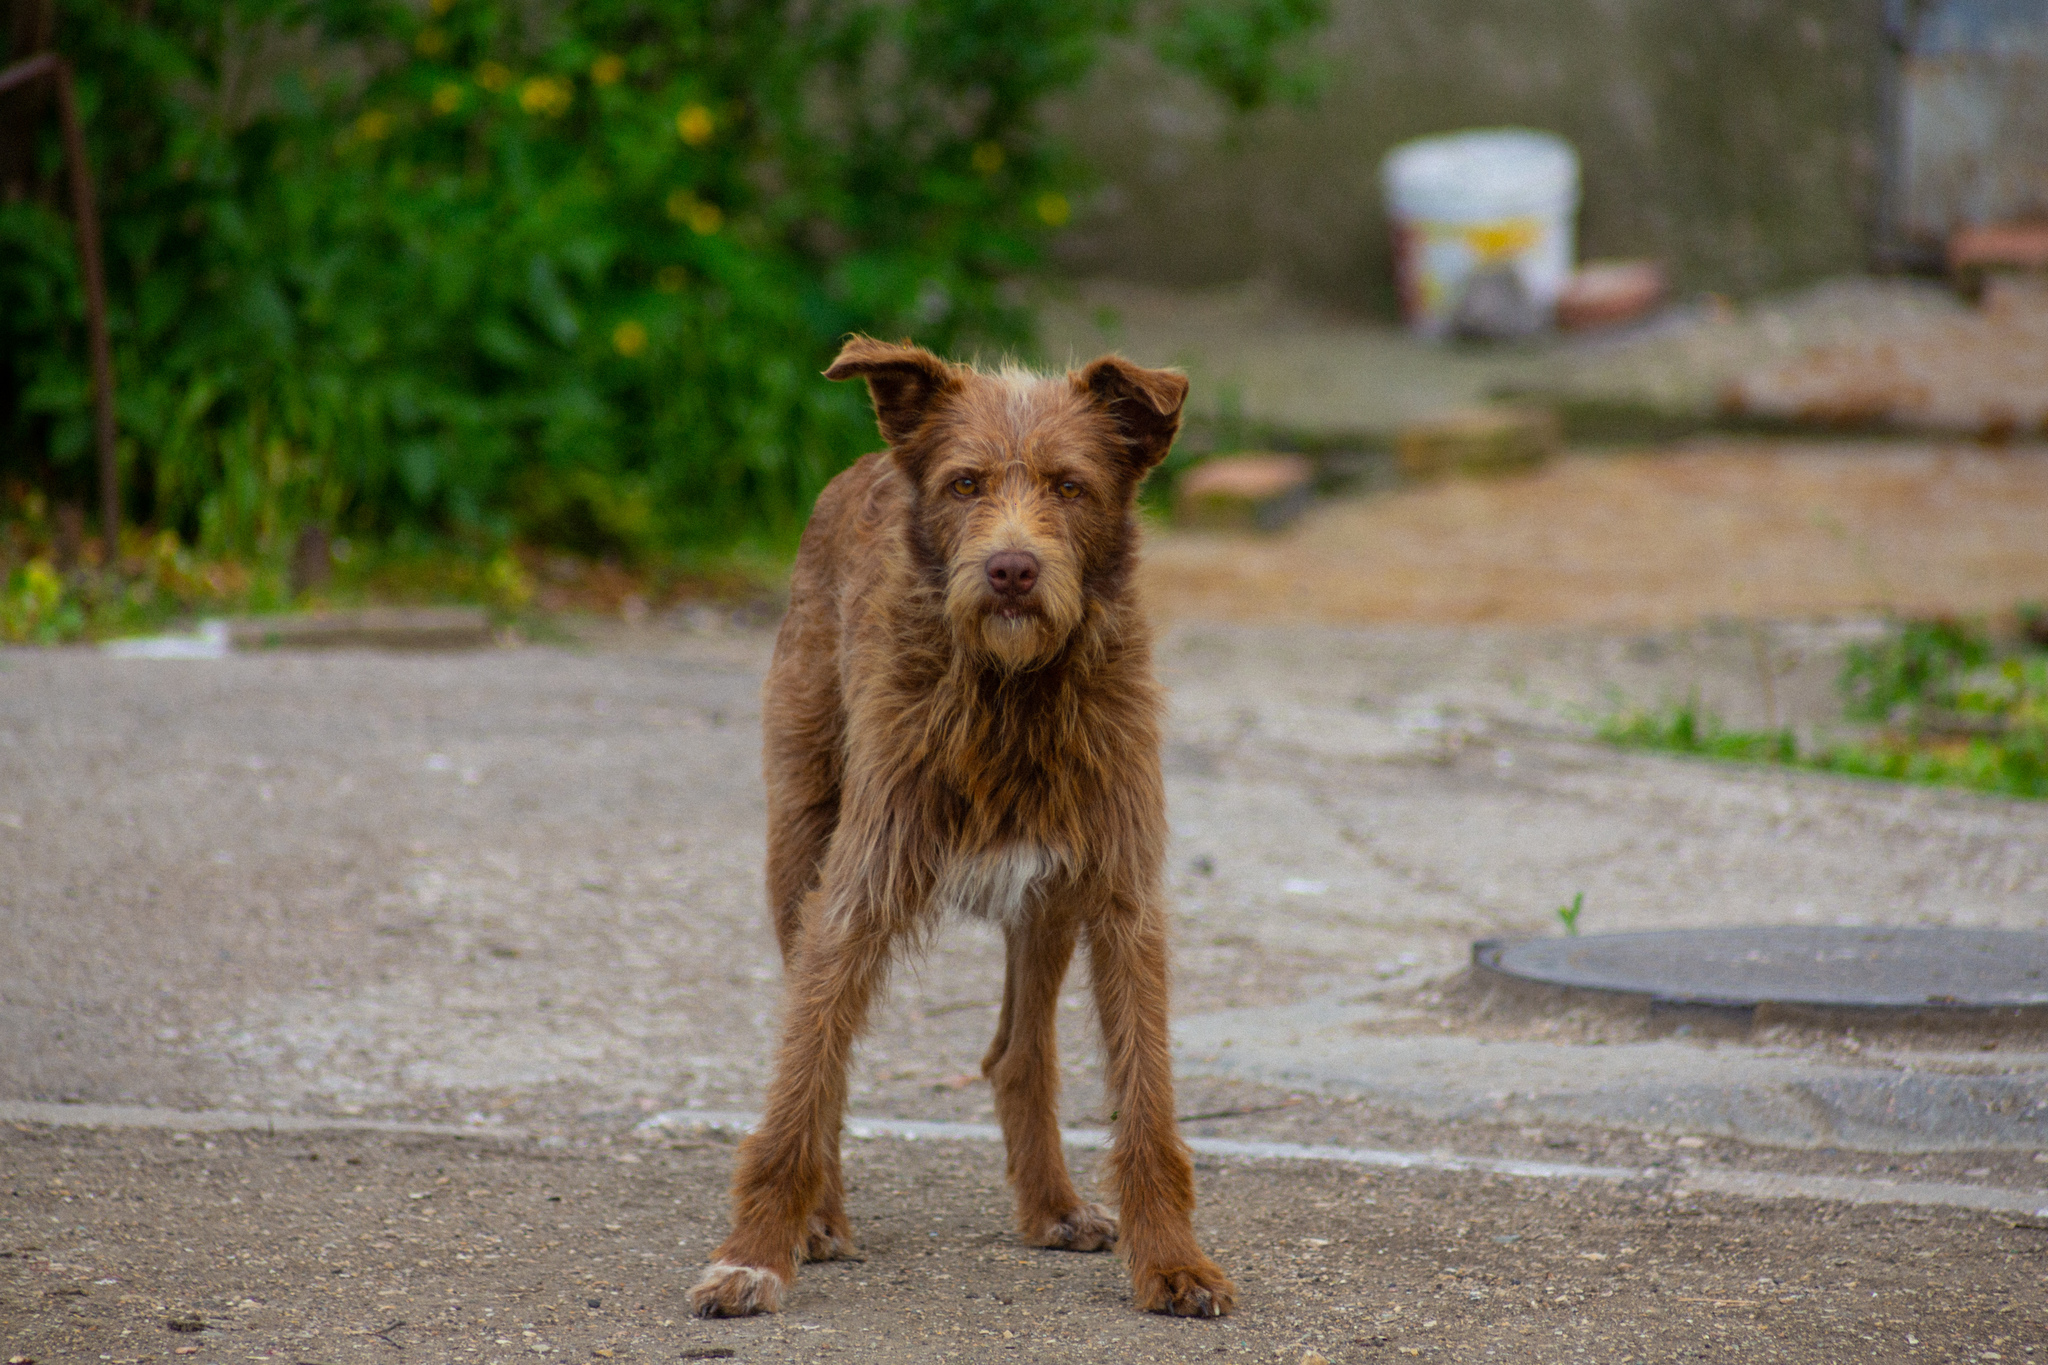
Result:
[1839,968]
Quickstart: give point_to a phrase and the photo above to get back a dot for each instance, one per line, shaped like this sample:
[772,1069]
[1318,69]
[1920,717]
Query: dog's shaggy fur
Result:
[961,715]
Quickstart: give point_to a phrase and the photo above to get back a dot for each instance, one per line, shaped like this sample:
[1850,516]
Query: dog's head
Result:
[1023,483]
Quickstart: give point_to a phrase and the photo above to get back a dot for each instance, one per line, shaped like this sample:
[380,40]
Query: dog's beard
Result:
[1011,636]
[1015,641]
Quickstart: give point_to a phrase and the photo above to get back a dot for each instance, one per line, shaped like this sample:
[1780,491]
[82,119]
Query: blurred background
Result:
[1616,313]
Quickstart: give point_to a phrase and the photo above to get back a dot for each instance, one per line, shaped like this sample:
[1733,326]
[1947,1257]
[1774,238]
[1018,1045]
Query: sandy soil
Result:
[145,1246]
[1723,528]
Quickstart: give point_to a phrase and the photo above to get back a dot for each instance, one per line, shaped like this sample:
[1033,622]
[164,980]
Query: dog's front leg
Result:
[1023,1068]
[789,1166]
[1148,1163]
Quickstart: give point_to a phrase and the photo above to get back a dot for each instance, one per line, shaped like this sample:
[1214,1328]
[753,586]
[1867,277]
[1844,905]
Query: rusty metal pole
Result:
[87,215]
[86,220]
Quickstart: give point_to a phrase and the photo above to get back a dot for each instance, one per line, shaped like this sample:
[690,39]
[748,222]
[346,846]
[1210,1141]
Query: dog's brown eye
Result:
[1070,489]
[966,488]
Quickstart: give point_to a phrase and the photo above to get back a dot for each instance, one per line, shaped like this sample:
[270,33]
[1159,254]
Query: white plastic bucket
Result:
[1463,204]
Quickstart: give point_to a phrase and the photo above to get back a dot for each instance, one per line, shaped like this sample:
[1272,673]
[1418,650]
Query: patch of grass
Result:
[51,596]
[1687,728]
[160,583]
[1919,666]
[57,589]
[1940,702]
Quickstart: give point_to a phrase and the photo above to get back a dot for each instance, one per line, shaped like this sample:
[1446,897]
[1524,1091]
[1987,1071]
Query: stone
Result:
[1496,307]
[1607,293]
[1990,248]
[1245,492]
[1976,373]
[312,566]
[369,628]
[1478,441]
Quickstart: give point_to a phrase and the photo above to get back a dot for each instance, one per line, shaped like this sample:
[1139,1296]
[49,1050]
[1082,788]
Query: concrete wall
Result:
[1735,140]
[1973,117]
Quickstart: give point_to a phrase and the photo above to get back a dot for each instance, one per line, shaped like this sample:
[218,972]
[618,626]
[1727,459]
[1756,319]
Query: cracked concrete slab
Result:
[1783,1097]
[427,887]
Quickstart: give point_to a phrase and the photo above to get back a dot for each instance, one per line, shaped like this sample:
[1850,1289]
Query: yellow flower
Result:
[373,125]
[670,279]
[607,69]
[693,125]
[42,585]
[508,581]
[1054,209]
[704,219]
[548,96]
[988,158]
[447,98]
[629,338]
[432,42]
[493,76]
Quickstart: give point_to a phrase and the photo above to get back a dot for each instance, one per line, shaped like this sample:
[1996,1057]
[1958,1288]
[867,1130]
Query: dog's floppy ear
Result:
[903,380]
[1144,404]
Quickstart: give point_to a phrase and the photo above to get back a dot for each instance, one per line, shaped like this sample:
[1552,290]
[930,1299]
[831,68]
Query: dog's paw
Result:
[823,1242]
[1085,1227]
[1200,1290]
[735,1291]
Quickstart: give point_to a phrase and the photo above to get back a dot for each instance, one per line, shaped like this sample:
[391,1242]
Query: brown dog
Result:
[961,715]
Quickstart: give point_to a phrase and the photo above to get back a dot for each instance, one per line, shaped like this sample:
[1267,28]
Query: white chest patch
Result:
[1000,886]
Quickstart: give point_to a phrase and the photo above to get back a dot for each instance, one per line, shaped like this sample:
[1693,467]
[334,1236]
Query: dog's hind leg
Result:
[789,1165]
[800,725]
[1148,1163]
[1023,1069]
[801,814]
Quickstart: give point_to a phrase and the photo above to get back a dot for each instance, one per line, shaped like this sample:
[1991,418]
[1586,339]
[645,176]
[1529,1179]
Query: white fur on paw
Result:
[727,1290]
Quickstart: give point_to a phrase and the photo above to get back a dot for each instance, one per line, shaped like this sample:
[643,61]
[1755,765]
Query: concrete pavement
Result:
[363,883]
[515,892]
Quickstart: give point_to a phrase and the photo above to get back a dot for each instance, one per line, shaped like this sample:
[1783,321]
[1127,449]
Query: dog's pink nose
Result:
[1012,573]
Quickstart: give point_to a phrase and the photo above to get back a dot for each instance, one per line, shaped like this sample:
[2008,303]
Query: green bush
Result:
[487,268]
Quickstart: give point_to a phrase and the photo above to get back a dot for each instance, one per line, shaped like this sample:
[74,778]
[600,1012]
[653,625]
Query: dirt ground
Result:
[145,1246]
[1652,538]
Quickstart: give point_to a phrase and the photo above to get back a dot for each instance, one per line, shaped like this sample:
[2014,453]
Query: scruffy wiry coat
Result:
[961,715]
